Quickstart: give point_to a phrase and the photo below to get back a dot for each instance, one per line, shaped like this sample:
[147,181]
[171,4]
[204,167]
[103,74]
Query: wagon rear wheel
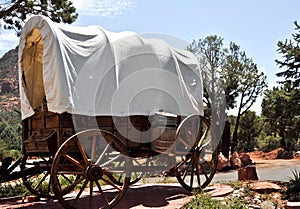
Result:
[83,167]
[199,153]
[37,178]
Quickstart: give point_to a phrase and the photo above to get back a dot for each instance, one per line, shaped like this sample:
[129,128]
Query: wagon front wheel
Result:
[199,153]
[83,167]
[195,172]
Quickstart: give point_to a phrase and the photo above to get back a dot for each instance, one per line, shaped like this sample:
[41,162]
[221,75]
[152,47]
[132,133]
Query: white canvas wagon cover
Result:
[91,71]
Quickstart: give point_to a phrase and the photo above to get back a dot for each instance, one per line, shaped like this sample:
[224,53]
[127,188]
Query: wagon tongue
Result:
[4,167]
[8,171]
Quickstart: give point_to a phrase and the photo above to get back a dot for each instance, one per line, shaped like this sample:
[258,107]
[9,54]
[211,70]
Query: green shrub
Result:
[234,184]
[10,190]
[205,201]
[15,154]
[293,187]
[235,203]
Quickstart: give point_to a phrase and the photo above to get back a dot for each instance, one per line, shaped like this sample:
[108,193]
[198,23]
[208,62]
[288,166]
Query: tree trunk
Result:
[235,134]
[282,141]
[226,140]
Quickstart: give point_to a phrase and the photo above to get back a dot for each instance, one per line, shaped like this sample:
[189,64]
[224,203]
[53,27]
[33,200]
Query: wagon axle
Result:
[94,173]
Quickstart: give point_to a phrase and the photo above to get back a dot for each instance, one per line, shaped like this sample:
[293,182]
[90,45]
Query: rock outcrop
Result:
[235,161]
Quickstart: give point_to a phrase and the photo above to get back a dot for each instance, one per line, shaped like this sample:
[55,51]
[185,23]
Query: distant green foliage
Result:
[281,110]
[9,135]
[13,13]
[290,51]
[267,143]
[10,117]
[281,105]
[248,131]
[10,140]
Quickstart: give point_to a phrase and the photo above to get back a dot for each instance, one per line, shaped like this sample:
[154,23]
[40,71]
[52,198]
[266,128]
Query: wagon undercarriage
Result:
[94,165]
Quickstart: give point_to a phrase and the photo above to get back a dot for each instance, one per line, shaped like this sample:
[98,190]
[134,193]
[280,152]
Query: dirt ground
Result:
[278,153]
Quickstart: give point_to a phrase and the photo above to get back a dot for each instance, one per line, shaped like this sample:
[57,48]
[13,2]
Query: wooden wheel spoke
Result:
[111,183]
[186,170]
[41,181]
[80,191]
[72,160]
[184,174]
[102,193]
[70,172]
[204,135]
[91,188]
[91,194]
[93,148]
[192,174]
[203,171]
[82,152]
[49,185]
[183,162]
[198,175]
[102,154]
[30,176]
[120,177]
[70,187]
[110,161]
[65,177]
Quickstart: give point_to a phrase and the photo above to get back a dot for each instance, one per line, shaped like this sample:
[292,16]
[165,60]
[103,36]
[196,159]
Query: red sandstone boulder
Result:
[235,161]
[245,158]
[264,187]
[223,162]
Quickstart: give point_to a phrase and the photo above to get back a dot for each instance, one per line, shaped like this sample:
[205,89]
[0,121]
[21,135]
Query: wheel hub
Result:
[94,173]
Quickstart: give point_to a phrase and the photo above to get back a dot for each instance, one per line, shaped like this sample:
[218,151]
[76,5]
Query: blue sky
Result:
[255,25]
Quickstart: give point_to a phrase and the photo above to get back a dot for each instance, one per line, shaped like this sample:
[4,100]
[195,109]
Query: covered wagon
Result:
[102,109]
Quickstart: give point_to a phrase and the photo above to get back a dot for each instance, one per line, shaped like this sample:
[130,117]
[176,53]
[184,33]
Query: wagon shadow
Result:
[140,195]
[151,196]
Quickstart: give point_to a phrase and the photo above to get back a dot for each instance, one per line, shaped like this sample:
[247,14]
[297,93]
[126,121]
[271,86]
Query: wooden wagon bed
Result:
[142,135]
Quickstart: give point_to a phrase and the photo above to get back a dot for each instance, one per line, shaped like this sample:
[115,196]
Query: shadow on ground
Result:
[152,196]
[138,196]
